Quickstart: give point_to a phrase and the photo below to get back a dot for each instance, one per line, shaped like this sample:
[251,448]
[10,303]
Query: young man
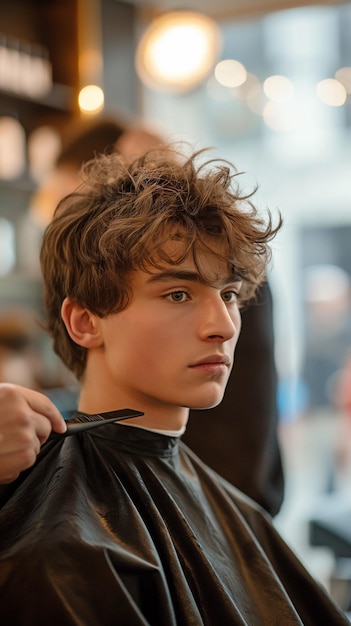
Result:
[239,437]
[145,269]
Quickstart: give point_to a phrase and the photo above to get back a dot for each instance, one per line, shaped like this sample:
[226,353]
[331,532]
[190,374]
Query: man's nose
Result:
[218,323]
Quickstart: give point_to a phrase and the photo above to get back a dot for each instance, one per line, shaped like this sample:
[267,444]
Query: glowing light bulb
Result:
[178,51]
[91,99]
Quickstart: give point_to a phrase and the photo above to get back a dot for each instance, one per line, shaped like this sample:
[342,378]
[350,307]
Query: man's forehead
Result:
[213,278]
[206,267]
[204,262]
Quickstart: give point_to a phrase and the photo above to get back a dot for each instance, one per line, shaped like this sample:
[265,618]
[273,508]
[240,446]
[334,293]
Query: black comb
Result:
[98,419]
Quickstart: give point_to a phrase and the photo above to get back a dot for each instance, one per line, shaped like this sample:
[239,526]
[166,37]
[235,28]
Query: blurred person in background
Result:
[82,140]
[20,361]
[239,437]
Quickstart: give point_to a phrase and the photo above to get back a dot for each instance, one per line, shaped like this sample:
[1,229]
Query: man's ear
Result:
[82,325]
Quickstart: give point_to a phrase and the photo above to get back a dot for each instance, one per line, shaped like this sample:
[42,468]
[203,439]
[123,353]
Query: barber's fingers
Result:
[8,478]
[19,447]
[20,404]
[42,406]
[26,420]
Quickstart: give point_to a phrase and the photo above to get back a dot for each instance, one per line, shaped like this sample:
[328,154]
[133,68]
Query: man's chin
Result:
[206,405]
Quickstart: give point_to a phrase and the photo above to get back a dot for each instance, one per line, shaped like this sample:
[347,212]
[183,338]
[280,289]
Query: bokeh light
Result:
[91,99]
[230,73]
[178,51]
[331,92]
[278,88]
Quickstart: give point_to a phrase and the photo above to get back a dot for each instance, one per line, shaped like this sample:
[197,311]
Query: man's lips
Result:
[213,360]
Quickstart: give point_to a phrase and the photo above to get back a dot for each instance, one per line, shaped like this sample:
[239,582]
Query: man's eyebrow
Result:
[189,275]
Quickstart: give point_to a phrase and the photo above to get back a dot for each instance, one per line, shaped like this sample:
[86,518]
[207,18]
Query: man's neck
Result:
[100,393]
[156,417]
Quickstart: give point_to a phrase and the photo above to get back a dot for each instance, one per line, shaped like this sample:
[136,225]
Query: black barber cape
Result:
[122,526]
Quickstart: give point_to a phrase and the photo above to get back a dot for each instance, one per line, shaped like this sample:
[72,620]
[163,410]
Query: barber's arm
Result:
[27,418]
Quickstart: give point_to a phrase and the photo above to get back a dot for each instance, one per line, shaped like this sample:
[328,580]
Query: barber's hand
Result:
[27,418]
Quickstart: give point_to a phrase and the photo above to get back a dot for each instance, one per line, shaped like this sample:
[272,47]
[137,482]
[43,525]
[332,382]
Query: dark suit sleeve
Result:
[239,437]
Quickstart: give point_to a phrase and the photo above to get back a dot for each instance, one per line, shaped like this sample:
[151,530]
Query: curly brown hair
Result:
[122,216]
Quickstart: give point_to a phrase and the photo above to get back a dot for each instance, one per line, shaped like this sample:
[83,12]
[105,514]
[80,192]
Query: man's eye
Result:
[177,296]
[230,296]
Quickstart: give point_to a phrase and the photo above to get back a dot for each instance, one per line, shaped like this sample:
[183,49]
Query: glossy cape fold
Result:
[124,526]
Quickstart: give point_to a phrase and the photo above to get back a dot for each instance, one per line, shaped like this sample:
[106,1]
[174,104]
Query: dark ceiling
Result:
[222,9]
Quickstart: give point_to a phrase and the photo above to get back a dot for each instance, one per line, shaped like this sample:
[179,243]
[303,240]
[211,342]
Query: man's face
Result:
[173,345]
